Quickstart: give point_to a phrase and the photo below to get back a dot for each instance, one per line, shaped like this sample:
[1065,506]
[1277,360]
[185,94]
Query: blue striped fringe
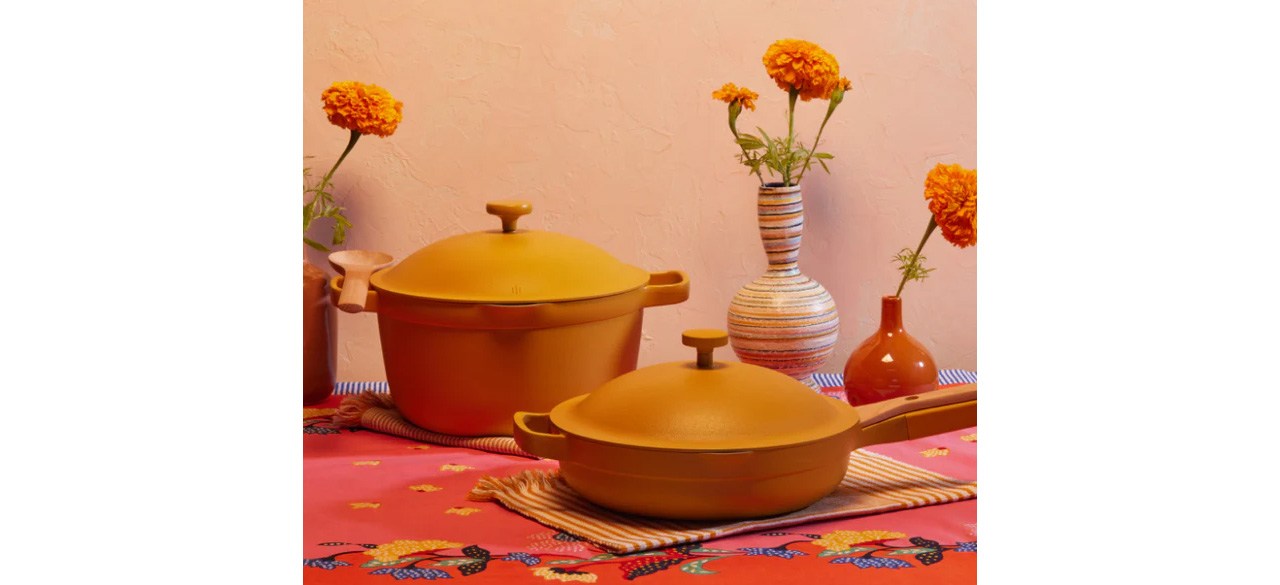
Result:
[825,380]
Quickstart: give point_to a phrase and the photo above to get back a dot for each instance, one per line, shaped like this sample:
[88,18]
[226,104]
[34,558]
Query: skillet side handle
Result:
[920,415]
[666,288]
[335,288]
[531,434]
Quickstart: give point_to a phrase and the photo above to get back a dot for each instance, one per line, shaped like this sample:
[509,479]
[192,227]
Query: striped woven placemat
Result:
[872,484]
[374,410]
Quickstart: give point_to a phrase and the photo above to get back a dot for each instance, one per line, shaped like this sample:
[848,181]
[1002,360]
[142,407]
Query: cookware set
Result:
[536,334]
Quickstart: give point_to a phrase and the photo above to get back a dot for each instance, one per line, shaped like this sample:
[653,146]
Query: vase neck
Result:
[780,211]
[891,314]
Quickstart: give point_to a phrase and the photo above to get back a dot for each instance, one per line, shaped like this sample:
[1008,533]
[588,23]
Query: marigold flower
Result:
[730,93]
[367,109]
[952,192]
[845,539]
[392,551]
[802,66]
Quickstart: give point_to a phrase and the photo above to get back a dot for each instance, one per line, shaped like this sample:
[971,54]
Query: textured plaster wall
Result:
[599,112]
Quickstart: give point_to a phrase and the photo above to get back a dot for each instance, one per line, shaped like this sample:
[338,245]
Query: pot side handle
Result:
[531,434]
[666,288]
[919,415]
[335,289]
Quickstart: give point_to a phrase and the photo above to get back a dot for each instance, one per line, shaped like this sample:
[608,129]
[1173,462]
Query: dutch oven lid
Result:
[704,406]
[510,266]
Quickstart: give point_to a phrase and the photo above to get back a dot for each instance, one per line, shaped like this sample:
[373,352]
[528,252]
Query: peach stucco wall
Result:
[599,112]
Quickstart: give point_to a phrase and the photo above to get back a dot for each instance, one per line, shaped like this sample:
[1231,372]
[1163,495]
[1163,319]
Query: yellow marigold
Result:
[804,66]
[730,93]
[952,192]
[565,575]
[845,84]
[367,109]
[392,551]
[846,539]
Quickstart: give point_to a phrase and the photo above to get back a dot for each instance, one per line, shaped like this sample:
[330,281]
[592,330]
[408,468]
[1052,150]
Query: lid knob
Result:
[509,211]
[705,341]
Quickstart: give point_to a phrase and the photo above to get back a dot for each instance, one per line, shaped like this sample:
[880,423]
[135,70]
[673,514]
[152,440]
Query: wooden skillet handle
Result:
[918,415]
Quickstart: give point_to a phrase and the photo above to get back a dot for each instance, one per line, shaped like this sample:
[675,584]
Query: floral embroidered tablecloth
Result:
[380,509]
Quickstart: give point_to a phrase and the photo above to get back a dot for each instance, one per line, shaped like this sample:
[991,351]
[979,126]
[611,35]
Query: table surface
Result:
[380,509]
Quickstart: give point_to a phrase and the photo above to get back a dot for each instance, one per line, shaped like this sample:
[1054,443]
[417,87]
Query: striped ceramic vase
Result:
[784,320]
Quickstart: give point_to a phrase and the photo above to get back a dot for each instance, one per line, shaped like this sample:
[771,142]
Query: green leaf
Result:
[695,568]
[750,143]
[378,563]
[822,155]
[456,562]
[847,551]
[315,244]
[824,166]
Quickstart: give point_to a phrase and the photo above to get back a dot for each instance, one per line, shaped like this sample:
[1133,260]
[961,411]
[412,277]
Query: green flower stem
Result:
[322,201]
[350,145]
[804,167]
[733,127]
[933,224]
[792,94]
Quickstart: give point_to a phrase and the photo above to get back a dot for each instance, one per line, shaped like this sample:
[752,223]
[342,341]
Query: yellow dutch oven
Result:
[712,440]
[478,326]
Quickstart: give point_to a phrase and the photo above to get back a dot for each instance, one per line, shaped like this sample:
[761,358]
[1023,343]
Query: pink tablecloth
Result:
[380,509]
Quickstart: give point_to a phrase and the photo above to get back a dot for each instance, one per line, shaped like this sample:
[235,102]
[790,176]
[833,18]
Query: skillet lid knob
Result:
[705,341]
[509,211]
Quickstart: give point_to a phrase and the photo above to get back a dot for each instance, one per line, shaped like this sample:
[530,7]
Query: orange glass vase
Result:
[890,363]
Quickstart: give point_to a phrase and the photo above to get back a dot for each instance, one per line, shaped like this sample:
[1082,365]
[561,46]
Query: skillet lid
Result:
[510,265]
[704,406]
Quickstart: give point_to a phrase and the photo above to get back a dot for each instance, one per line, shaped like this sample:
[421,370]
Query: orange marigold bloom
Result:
[367,109]
[845,84]
[730,93]
[804,66]
[952,192]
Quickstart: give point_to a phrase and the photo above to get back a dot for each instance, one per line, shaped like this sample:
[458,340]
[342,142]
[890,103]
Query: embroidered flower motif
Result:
[317,412]
[425,487]
[367,109]
[755,551]
[936,452]
[326,563]
[367,463]
[729,93]
[412,573]
[873,563]
[364,505]
[845,539]
[803,66]
[462,511]
[565,575]
[456,468]
[972,438]
[392,551]
[952,191]
[523,557]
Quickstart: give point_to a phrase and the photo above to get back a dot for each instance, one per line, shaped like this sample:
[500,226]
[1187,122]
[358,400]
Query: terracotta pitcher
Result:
[319,336]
